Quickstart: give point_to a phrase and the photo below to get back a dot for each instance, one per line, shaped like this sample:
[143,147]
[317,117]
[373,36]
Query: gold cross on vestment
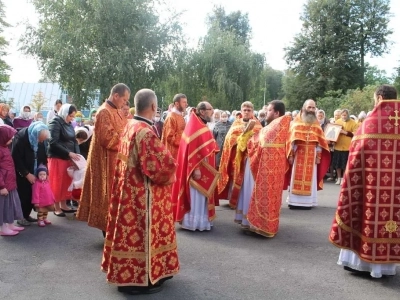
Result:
[396,118]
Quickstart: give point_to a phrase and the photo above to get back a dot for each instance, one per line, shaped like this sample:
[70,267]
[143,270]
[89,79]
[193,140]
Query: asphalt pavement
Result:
[62,261]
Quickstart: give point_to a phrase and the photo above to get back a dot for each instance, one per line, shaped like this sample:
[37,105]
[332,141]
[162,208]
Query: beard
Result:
[309,117]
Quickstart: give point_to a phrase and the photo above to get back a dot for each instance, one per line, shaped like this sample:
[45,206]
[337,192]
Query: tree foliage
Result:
[91,45]
[223,69]
[328,54]
[4,67]
[38,100]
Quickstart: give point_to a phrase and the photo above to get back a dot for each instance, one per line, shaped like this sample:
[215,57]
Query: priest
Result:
[268,164]
[366,226]
[196,174]
[140,250]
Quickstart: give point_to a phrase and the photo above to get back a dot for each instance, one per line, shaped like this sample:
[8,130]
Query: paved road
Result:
[62,261]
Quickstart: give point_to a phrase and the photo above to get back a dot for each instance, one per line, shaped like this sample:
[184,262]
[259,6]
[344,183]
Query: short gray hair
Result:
[144,98]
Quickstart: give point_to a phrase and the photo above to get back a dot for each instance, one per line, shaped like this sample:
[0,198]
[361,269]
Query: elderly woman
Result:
[63,148]
[4,118]
[28,152]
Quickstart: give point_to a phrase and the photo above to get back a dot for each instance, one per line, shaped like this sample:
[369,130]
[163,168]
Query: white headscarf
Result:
[63,113]
[24,114]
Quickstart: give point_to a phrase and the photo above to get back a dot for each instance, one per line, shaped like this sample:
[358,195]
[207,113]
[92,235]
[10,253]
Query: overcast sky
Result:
[274,23]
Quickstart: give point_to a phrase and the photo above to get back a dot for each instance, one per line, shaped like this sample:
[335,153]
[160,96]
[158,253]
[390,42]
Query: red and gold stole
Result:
[232,164]
[367,219]
[307,137]
[196,151]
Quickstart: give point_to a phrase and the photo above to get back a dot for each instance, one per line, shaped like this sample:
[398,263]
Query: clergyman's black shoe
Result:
[137,290]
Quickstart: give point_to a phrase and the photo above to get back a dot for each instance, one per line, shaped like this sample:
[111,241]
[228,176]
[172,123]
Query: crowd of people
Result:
[143,175]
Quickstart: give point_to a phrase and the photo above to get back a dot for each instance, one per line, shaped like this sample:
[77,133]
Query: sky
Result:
[274,24]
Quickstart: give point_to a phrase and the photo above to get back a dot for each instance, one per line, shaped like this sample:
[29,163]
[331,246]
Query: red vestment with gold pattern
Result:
[172,132]
[140,245]
[232,165]
[268,164]
[306,137]
[367,219]
[96,190]
[197,145]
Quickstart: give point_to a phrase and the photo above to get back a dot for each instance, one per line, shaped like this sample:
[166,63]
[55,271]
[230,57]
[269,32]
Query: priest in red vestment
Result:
[99,175]
[174,125]
[140,250]
[367,222]
[193,191]
[308,153]
[268,164]
[234,163]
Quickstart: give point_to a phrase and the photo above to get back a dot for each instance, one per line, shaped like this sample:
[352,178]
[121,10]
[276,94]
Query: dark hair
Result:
[278,106]
[120,89]
[72,109]
[81,135]
[178,97]
[58,101]
[386,91]
[143,100]
[201,106]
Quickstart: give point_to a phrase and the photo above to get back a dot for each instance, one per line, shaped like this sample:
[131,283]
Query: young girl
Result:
[10,206]
[42,196]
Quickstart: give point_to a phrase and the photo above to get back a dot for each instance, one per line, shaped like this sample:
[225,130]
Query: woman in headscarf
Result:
[29,151]
[24,119]
[54,112]
[4,118]
[63,148]
[38,117]
[83,135]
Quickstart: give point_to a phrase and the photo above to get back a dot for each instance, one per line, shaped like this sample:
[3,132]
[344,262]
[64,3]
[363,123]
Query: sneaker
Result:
[330,179]
[41,223]
[338,181]
[23,222]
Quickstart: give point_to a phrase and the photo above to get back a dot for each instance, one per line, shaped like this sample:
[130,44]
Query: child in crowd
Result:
[10,205]
[42,196]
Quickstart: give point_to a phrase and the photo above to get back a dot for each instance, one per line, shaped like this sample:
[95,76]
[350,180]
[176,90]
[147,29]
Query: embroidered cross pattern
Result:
[396,118]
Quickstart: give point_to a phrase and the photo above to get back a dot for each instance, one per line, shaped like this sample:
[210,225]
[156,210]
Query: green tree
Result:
[38,100]
[336,35]
[331,101]
[227,70]
[91,45]
[375,76]
[4,68]
[359,100]
[396,81]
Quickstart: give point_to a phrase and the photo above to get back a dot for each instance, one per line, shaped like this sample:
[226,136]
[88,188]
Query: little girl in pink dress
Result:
[42,196]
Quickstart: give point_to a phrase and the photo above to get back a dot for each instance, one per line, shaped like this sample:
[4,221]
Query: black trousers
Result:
[24,188]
